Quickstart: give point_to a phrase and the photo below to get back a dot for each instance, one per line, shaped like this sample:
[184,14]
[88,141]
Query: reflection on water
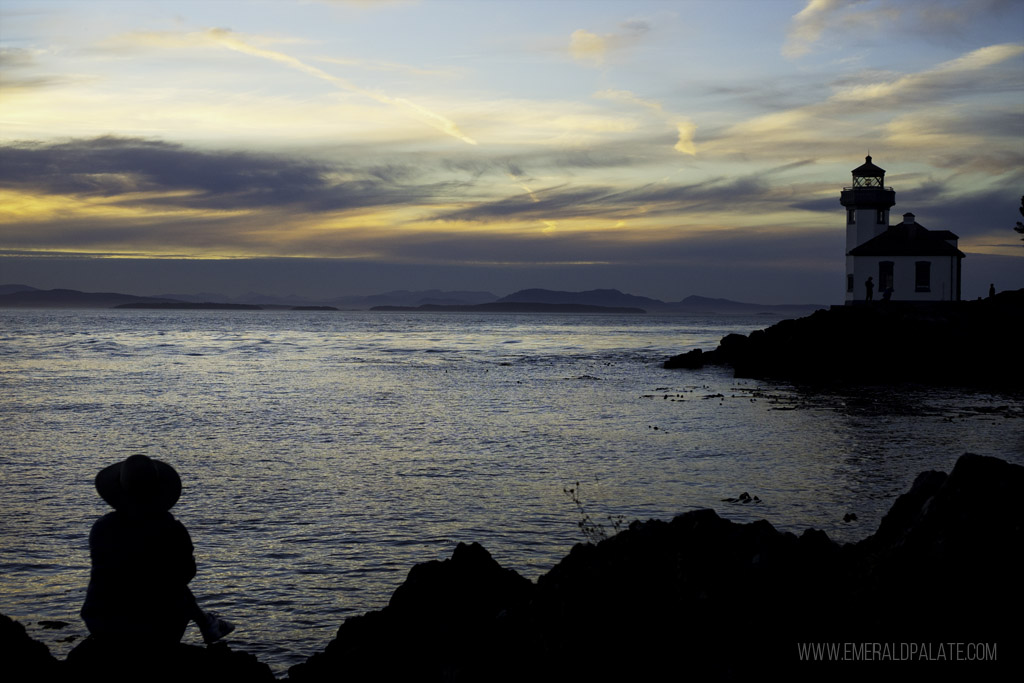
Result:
[323,454]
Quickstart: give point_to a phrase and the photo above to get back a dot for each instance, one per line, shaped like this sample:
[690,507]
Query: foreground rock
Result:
[971,343]
[702,598]
[29,660]
[935,592]
[20,653]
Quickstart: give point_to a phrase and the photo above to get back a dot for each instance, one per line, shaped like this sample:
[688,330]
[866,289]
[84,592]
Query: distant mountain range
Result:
[690,305]
[23,296]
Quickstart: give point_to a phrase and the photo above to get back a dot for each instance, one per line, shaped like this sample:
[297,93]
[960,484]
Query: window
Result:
[923,276]
[881,219]
[849,282]
[885,270]
[851,216]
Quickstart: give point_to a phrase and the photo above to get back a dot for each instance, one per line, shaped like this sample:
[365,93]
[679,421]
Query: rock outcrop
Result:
[704,598]
[970,343]
[25,659]
[20,653]
[936,591]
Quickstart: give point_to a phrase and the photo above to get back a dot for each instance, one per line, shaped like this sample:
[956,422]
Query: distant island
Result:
[187,305]
[538,300]
[515,307]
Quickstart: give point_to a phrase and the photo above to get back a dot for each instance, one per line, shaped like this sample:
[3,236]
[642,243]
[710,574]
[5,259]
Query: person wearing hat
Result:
[142,561]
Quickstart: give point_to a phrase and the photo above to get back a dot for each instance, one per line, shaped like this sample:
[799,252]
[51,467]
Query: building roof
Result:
[868,169]
[909,239]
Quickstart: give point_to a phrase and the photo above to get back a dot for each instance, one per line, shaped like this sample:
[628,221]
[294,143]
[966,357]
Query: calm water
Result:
[324,454]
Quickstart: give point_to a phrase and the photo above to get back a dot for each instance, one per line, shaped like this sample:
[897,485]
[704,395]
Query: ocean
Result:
[325,453]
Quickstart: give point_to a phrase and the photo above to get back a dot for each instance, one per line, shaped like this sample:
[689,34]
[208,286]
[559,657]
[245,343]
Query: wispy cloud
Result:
[441,123]
[591,48]
[685,128]
[373,65]
[810,23]
[867,110]
[232,41]
[157,174]
[932,20]
[947,81]
[17,67]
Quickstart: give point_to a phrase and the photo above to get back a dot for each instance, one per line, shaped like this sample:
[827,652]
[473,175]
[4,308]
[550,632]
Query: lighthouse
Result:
[867,204]
[906,261]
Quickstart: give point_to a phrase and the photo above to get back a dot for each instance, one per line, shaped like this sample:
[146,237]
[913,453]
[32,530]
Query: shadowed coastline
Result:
[969,344]
[698,598]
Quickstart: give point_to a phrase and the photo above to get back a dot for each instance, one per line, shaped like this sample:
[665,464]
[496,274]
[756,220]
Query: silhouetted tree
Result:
[1020,226]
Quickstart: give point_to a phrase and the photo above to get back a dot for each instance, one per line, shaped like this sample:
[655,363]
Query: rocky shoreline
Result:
[935,590]
[968,343]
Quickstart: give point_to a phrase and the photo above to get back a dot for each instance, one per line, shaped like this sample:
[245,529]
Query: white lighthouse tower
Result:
[867,204]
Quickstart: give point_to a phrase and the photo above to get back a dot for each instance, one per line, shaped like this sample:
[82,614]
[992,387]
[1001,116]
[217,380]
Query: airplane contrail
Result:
[229,40]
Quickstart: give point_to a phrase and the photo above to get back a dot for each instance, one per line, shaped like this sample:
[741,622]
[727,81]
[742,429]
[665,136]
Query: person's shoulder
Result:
[110,523]
[173,523]
[112,518]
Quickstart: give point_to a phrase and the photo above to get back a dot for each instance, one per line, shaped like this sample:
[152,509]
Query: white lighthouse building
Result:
[906,261]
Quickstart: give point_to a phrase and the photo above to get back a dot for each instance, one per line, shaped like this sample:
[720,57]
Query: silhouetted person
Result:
[869,285]
[991,290]
[886,294]
[142,562]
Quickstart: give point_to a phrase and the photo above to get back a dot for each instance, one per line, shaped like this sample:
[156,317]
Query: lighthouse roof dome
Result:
[868,169]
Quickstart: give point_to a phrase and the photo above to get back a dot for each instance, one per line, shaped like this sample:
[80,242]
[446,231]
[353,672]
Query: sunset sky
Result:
[665,148]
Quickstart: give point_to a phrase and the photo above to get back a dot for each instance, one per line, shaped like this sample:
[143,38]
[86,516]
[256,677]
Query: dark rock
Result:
[448,621]
[704,598]
[20,653]
[962,343]
[945,559]
[692,360]
[91,660]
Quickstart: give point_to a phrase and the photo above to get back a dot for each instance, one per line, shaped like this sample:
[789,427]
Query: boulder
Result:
[92,660]
[21,653]
[447,621]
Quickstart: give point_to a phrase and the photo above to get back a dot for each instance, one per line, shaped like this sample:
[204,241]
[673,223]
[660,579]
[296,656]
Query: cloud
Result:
[15,63]
[225,38]
[684,127]
[133,195]
[955,78]
[866,111]
[648,201]
[591,48]
[374,65]
[152,173]
[685,144]
[809,24]
[875,21]
[627,96]
[441,123]
[585,46]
